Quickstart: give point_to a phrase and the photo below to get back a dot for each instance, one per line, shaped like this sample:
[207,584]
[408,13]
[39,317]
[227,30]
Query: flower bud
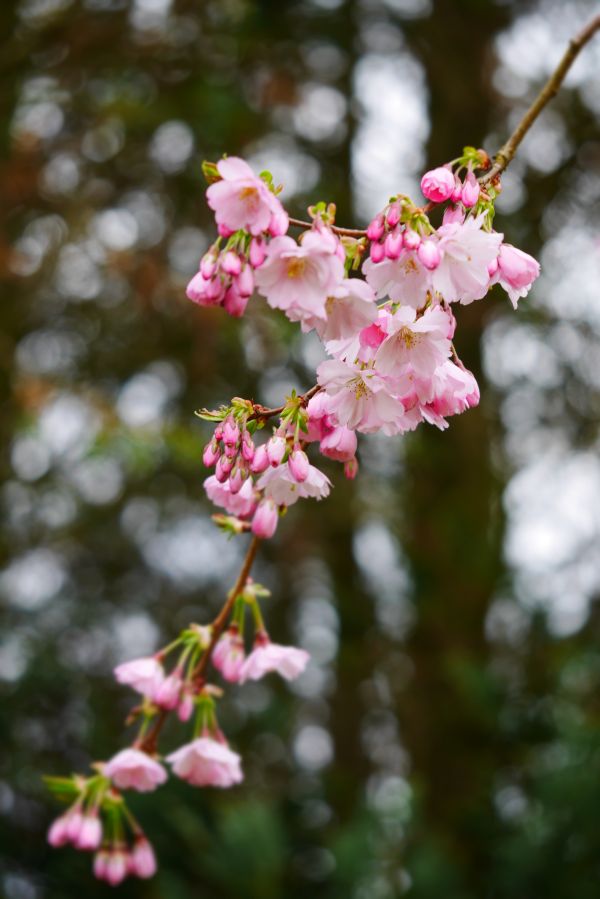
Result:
[231,431]
[437,184]
[74,825]
[393,244]
[245,282]
[208,265]
[276,448]
[429,254]
[351,468]
[412,239]
[340,444]
[377,252]
[236,481]
[279,223]
[298,465]
[223,469]
[247,447]
[231,263]
[376,228]
[116,867]
[90,833]
[393,215]
[142,862]
[470,191]
[224,231]
[211,453]
[234,303]
[185,707]
[58,833]
[257,252]
[260,462]
[264,523]
[168,693]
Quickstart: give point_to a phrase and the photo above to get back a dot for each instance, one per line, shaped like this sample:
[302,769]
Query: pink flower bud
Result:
[101,864]
[260,461]
[376,228]
[58,833]
[234,303]
[223,469]
[116,867]
[247,447]
[276,448]
[224,231]
[453,214]
[236,481]
[90,833]
[456,195]
[228,655]
[257,252]
[208,265]
[298,465]
[279,223]
[264,523]
[231,432]
[231,263]
[470,191]
[245,282]
[211,453]
[393,215]
[231,452]
[372,337]
[351,468]
[167,695]
[429,254]
[185,707]
[377,251]
[74,825]
[215,291]
[142,862]
[412,240]
[393,244]
[437,185]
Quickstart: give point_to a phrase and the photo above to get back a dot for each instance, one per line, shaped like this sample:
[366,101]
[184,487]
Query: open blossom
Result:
[452,390]
[132,769]
[280,486]
[206,762]
[422,342]
[241,200]
[340,444]
[145,675]
[516,272]
[467,251]
[403,279]
[298,278]
[288,661]
[241,503]
[228,655]
[349,308]
[360,398]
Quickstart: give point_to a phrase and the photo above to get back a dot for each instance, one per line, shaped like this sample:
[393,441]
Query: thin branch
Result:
[343,232]
[506,153]
[262,413]
[149,742]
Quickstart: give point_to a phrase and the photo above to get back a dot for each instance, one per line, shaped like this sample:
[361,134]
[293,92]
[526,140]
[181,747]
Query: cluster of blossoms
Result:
[98,818]
[381,302]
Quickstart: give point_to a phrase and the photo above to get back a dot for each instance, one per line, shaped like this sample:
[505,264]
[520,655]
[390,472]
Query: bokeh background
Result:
[445,742]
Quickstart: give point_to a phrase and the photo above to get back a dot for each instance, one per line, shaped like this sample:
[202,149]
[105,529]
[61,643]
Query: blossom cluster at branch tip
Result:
[381,305]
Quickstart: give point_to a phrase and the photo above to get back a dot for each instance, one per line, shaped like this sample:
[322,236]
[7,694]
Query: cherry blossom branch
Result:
[262,413]
[149,743]
[506,153]
[343,232]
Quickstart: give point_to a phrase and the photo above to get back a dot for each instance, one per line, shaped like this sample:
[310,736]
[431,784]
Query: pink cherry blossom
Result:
[340,444]
[454,391]
[61,830]
[470,191]
[298,278]
[117,866]
[422,342]
[241,200]
[281,487]
[132,769]
[438,184]
[144,675]
[288,661]
[206,762]
[90,833]
[228,655]
[349,308]
[276,448]
[241,504]
[404,279]
[516,272]
[467,250]
[298,465]
[361,399]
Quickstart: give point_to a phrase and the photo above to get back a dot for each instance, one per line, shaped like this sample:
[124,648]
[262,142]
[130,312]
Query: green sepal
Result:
[64,788]
[210,172]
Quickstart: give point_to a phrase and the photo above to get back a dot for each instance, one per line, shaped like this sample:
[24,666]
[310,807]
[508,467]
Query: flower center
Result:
[409,338]
[295,268]
[358,386]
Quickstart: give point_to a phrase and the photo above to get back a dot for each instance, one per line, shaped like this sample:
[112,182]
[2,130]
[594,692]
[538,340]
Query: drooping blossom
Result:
[132,769]
[279,485]
[144,675]
[228,655]
[339,444]
[421,342]
[265,519]
[242,200]
[288,661]
[298,278]
[90,833]
[206,762]
[516,272]
[404,280]
[453,390]
[360,398]
[467,251]
[241,503]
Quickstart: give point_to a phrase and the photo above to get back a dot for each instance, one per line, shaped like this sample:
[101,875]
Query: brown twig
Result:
[506,153]
[150,741]
[263,413]
[344,232]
